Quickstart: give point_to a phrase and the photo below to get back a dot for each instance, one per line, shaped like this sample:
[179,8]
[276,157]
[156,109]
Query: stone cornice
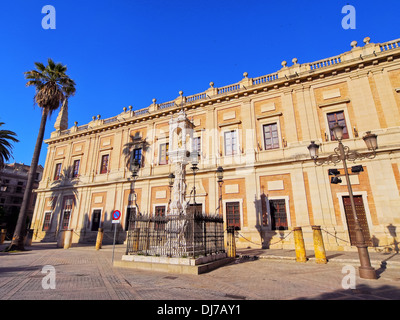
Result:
[328,104]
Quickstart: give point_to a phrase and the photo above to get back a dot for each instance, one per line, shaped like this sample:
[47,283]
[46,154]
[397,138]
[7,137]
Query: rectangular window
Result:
[233,215]
[197,145]
[57,172]
[137,155]
[65,219]
[164,153]
[159,212]
[271,138]
[47,221]
[230,140]
[75,172]
[338,117]
[68,202]
[278,214]
[104,164]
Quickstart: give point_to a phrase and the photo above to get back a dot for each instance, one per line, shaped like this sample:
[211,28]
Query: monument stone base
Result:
[174,265]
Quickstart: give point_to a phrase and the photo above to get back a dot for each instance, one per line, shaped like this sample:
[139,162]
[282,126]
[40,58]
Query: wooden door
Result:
[96,220]
[233,215]
[362,218]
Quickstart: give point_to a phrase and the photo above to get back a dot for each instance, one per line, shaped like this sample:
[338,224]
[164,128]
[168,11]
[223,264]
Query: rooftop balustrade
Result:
[296,69]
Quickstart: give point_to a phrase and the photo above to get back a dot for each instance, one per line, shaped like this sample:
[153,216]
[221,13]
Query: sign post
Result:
[116,215]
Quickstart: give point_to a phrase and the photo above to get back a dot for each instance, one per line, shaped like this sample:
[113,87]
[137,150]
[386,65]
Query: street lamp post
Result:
[343,153]
[195,168]
[134,168]
[171,179]
[220,177]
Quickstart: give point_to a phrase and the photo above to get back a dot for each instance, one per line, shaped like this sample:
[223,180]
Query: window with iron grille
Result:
[137,155]
[338,117]
[67,213]
[233,214]
[159,212]
[57,172]
[278,214]
[47,220]
[65,219]
[271,138]
[75,172]
[104,163]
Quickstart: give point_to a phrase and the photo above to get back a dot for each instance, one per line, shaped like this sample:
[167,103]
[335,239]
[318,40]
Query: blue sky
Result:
[123,53]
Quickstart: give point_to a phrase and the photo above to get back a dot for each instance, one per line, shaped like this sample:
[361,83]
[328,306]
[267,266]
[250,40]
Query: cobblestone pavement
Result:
[82,273]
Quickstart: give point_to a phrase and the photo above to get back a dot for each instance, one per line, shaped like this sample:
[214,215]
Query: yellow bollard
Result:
[68,238]
[299,245]
[319,248]
[231,243]
[135,241]
[99,239]
[2,235]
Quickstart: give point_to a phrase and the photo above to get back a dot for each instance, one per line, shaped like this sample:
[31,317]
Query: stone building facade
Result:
[258,130]
[13,179]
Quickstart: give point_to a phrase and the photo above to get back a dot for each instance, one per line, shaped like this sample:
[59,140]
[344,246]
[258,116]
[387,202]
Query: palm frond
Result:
[50,63]
[5,145]
[52,85]
[40,66]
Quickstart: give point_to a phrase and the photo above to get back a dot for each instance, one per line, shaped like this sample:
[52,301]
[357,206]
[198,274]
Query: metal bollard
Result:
[319,248]
[231,242]
[99,239]
[299,245]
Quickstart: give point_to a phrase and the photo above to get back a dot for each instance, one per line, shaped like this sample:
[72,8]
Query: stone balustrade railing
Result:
[227,89]
[325,63]
[394,44]
[263,79]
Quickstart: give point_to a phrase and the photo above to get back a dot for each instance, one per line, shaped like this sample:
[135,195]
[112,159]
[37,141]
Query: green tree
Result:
[6,136]
[52,87]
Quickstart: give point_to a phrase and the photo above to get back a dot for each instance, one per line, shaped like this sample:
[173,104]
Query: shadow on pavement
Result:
[361,292]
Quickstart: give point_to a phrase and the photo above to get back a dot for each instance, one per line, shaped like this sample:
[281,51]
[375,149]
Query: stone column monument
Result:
[180,149]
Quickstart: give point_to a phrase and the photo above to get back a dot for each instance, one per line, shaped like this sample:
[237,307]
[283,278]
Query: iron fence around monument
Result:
[191,235]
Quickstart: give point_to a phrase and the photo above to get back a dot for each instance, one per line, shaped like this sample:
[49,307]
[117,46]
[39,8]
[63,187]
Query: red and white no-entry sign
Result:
[116,215]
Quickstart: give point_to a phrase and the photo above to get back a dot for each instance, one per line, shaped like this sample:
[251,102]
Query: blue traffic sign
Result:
[116,215]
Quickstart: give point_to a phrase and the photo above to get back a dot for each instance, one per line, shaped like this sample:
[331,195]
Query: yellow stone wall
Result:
[298,99]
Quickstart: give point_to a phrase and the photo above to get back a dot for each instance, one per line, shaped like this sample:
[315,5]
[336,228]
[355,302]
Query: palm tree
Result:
[53,87]
[5,145]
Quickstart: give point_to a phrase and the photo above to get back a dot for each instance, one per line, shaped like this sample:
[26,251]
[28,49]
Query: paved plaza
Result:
[86,274]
